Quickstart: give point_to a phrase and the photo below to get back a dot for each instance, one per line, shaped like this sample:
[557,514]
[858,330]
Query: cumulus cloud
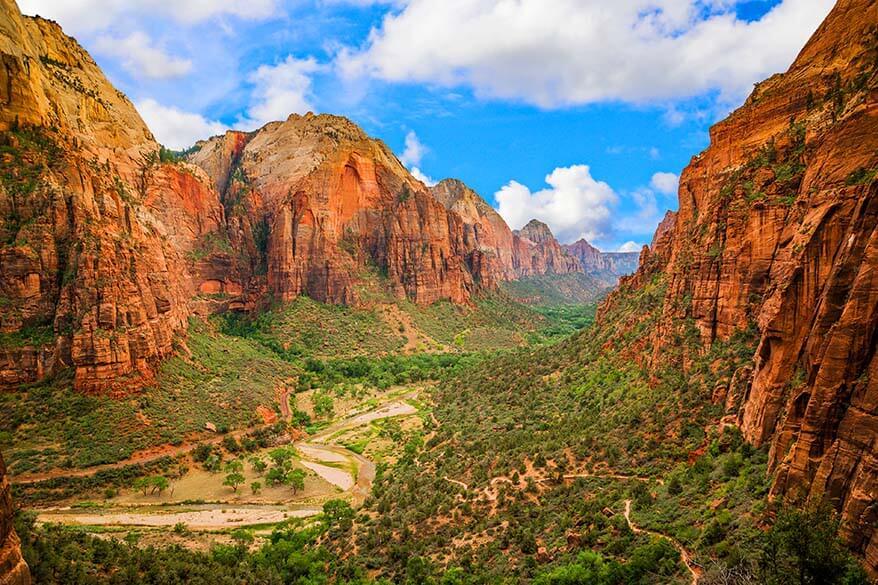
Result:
[280,90]
[414,150]
[665,183]
[574,204]
[79,16]
[563,52]
[629,246]
[412,155]
[425,179]
[141,57]
[175,128]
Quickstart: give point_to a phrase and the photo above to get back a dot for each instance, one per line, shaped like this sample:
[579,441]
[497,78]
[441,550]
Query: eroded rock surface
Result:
[13,569]
[776,230]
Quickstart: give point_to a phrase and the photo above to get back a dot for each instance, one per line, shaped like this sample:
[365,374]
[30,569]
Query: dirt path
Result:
[685,555]
[344,469]
[456,482]
[209,519]
[610,476]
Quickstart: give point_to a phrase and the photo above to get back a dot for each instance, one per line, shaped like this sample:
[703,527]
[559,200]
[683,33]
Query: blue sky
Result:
[578,112]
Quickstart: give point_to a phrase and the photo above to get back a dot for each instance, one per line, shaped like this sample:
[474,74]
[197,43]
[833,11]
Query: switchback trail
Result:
[685,555]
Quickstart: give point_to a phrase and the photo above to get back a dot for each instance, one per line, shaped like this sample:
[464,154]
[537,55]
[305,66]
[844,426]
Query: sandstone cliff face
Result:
[542,254]
[609,266]
[777,228]
[13,569]
[316,203]
[92,272]
[505,254]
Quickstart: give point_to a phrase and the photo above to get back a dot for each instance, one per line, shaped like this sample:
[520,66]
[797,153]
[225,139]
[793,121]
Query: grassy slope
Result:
[235,365]
[561,289]
[222,381]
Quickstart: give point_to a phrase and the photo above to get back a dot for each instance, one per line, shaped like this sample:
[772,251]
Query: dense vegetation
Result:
[534,455]
[801,548]
[48,425]
[557,289]
[557,463]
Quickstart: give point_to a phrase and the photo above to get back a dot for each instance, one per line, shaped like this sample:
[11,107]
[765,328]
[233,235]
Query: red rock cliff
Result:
[314,203]
[93,272]
[609,266]
[504,254]
[13,569]
[777,228]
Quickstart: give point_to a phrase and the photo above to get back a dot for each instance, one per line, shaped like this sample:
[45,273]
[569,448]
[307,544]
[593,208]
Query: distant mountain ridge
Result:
[609,266]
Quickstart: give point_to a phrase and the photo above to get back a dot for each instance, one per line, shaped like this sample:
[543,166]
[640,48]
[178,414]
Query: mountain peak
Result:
[537,232]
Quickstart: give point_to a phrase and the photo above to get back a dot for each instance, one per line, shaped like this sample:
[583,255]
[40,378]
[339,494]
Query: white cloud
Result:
[414,150]
[574,205]
[412,155]
[280,90]
[175,128]
[425,179]
[562,52]
[78,16]
[140,57]
[665,183]
[629,246]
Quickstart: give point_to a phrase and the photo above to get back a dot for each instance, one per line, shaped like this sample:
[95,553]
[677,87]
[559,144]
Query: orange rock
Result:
[13,569]
[778,228]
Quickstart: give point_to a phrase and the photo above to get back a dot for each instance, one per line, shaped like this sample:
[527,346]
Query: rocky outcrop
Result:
[314,203]
[93,227]
[503,253]
[13,569]
[609,266]
[777,230]
[542,254]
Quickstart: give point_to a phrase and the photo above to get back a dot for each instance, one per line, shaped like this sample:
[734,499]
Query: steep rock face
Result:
[542,254]
[485,233]
[778,229]
[89,272]
[504,254]
[608,265]
[315,202]
[13,569]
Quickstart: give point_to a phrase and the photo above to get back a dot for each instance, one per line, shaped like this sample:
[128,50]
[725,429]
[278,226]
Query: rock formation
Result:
[608,266]
[313,202]
[92,274]
[108,244]
[506,254]
[13,569]
[777,229]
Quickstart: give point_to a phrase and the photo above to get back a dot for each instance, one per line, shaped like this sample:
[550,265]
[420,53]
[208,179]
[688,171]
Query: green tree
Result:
[338,513]
[258,465]
[296,480]
[803,548]
[255,487]
[233,480]
[324,406]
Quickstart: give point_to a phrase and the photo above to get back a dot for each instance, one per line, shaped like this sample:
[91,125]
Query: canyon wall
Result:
[109,243]
[504,253]
[13,569]
[608,266]
[93,276]
[776,231]
[316,204]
